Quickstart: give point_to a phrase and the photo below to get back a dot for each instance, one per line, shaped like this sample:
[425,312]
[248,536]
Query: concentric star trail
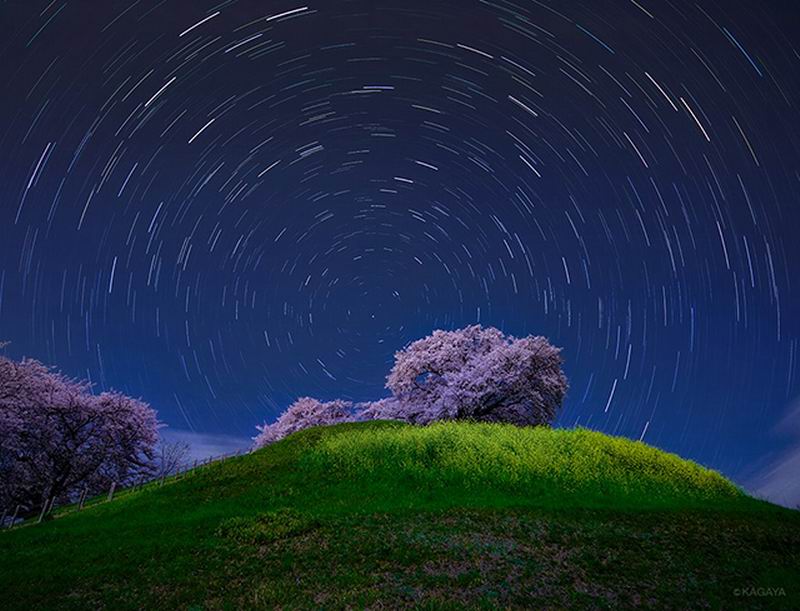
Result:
[221,206]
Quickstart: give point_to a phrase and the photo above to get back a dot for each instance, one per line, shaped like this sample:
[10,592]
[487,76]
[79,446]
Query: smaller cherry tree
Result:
[388,408]
[57,439]
[302,414]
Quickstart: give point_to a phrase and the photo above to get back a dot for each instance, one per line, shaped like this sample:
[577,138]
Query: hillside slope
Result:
[382,514]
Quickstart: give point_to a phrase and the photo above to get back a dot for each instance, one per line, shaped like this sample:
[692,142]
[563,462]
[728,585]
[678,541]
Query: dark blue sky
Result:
[221,206]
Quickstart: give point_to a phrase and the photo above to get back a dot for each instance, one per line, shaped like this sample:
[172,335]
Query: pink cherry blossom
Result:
[478,373]
[56,438]
[474,373]
[304,413]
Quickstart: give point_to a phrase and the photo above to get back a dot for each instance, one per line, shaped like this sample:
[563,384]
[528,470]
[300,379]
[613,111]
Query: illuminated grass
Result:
[538,466]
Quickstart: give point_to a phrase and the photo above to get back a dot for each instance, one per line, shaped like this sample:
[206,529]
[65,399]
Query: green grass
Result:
[500,464]
[387,515]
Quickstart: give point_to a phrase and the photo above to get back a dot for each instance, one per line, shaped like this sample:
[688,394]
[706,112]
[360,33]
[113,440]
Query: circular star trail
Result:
[221,206]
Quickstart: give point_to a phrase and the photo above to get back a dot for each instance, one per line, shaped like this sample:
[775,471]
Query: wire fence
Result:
[12,518]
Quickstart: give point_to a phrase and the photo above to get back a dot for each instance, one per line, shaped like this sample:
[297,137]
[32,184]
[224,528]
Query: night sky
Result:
[221,206]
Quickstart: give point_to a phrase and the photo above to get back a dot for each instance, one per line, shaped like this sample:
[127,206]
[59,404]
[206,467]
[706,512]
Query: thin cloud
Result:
[779,480]
[205,445]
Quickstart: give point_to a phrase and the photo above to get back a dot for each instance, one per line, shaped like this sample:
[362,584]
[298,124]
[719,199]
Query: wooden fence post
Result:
[43,511]
[14,517]
[111,491]
[82,500]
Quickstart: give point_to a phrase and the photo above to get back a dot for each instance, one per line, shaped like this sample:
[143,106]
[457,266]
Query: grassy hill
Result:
[386,515]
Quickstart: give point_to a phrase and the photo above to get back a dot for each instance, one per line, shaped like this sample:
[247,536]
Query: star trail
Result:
[222,206]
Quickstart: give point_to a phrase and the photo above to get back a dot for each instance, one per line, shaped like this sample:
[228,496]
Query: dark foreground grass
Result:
[382,515]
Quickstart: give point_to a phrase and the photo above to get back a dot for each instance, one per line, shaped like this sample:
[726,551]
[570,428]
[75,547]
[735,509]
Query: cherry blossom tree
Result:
[383,409]
[478,373]
[304,413]
[474,373]
[56,438]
